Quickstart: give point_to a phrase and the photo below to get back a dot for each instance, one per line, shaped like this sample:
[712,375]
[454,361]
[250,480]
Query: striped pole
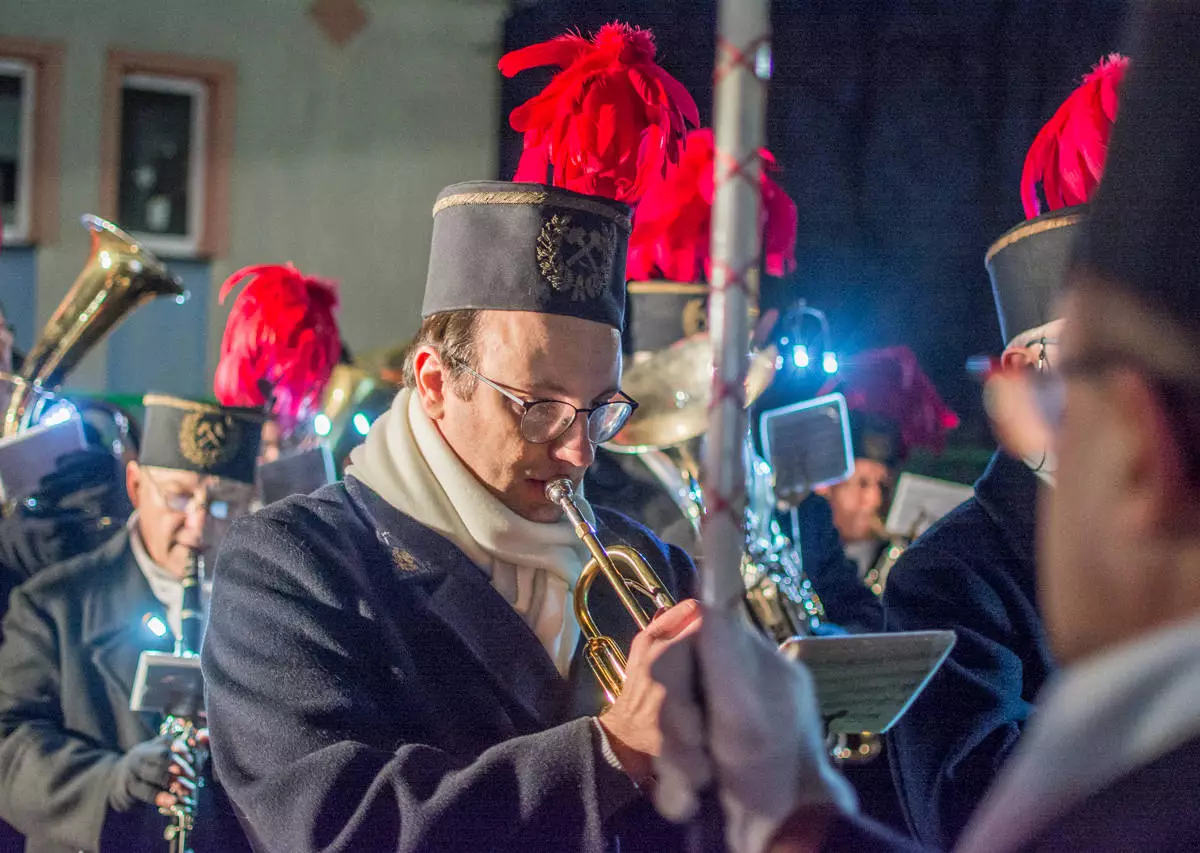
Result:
[742,69]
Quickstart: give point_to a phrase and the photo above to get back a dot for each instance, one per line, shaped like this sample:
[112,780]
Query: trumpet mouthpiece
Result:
[559,490]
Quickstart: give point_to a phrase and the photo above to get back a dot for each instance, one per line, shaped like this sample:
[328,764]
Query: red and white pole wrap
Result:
[740,79]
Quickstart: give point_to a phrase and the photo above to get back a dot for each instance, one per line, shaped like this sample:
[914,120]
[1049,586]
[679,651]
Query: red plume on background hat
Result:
[671,232]
[609,121]
[281,342]
[889,383]
[1067,156]
[1027,263]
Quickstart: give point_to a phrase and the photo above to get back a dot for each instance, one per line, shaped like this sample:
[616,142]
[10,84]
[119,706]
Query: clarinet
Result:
[181,721]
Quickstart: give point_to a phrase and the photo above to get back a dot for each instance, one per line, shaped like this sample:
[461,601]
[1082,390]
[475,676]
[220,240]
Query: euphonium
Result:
[606,659]
[119,276]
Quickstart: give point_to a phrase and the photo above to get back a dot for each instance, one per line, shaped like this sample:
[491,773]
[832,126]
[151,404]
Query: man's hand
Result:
[632,723]
[157,772]
[758,735]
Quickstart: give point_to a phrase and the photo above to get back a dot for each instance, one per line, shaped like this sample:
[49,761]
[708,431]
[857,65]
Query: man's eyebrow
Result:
[542,390]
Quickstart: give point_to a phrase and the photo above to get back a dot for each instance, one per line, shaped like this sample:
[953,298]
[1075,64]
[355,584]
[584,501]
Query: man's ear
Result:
[133,479]
[1017,358]
[1153,482]
[432,381]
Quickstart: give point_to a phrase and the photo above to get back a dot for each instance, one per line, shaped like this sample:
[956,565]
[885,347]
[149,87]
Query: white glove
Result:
[763,738]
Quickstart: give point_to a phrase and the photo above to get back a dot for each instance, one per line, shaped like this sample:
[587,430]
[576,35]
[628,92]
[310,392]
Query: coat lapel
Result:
[461,597]
[115,631]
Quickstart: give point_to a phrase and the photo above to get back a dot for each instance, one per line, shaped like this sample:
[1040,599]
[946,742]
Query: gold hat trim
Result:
[198,406]
[534,197]
[1029,229]
[669,288]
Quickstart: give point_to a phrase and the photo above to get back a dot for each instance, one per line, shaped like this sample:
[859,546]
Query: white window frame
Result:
[169,245]
[17,233]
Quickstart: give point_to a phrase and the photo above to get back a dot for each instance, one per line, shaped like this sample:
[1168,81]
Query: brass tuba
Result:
[119,276]
[606,659]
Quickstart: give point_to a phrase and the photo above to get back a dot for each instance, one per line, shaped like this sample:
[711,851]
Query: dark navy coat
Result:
[847,600]
[973,572]
[1145,811]
[72,641]
[368,690]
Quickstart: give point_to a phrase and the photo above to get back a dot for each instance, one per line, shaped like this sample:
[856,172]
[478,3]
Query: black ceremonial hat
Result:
[663,312]
[1027,265]
[877,438]
[188,435]
[505,246]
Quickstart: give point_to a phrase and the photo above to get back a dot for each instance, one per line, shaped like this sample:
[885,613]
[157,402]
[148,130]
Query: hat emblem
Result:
[208,438]
[575,260]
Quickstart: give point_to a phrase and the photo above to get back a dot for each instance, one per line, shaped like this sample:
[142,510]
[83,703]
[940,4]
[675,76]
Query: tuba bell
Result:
[606,658]
[119,276]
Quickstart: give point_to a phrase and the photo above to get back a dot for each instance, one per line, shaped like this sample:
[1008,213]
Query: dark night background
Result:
[901,128]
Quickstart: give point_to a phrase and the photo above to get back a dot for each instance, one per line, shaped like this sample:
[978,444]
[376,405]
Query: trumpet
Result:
[605,657]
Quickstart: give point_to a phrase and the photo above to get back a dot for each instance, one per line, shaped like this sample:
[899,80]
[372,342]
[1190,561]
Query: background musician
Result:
[1117,730]
[78,769]
[973,571]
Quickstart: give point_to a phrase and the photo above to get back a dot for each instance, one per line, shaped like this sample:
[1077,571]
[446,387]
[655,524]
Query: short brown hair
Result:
[453,335]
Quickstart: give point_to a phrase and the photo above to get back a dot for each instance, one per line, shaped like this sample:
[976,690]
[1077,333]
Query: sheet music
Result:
[29,456]
[920,501]
[866,682]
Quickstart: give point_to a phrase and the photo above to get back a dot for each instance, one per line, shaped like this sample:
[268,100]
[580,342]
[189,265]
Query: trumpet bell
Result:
[626,571]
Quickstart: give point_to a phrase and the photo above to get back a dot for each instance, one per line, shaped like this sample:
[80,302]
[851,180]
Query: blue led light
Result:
[800,357]
[321,425]
[829,363]
[156,626]
[361,423]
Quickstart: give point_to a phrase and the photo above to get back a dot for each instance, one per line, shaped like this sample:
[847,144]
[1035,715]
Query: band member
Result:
[894,409]
[974,570]
[1115,734]
[393,662]
[78,769]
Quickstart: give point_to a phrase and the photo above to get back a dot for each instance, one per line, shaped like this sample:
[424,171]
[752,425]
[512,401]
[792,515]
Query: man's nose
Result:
[197,517]
[573,446]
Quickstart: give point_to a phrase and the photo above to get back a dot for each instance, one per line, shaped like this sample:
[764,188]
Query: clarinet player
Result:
[78,769]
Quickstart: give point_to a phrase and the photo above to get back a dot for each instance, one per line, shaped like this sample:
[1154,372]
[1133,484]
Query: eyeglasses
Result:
[184,502]
[543,421]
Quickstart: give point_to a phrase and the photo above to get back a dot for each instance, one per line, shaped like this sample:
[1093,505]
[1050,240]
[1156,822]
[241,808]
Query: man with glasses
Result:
[78,769]
[394,662]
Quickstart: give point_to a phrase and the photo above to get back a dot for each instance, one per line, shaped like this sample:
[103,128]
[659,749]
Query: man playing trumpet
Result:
[393,661]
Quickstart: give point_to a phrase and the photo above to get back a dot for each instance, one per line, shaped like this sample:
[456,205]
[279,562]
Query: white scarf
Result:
[1098,721]
[534,566]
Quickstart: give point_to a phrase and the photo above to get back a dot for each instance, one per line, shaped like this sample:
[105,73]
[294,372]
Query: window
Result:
[17,93]
[166,150]
[161,176]
[30,82]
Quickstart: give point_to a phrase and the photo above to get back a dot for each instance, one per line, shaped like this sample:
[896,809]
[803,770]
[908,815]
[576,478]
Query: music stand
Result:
[808,445]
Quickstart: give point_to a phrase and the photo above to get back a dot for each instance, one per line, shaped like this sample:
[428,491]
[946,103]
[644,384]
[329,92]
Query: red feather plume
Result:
[609,121]
[670,236]
[281,342]
[1068,154]
[890,383]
